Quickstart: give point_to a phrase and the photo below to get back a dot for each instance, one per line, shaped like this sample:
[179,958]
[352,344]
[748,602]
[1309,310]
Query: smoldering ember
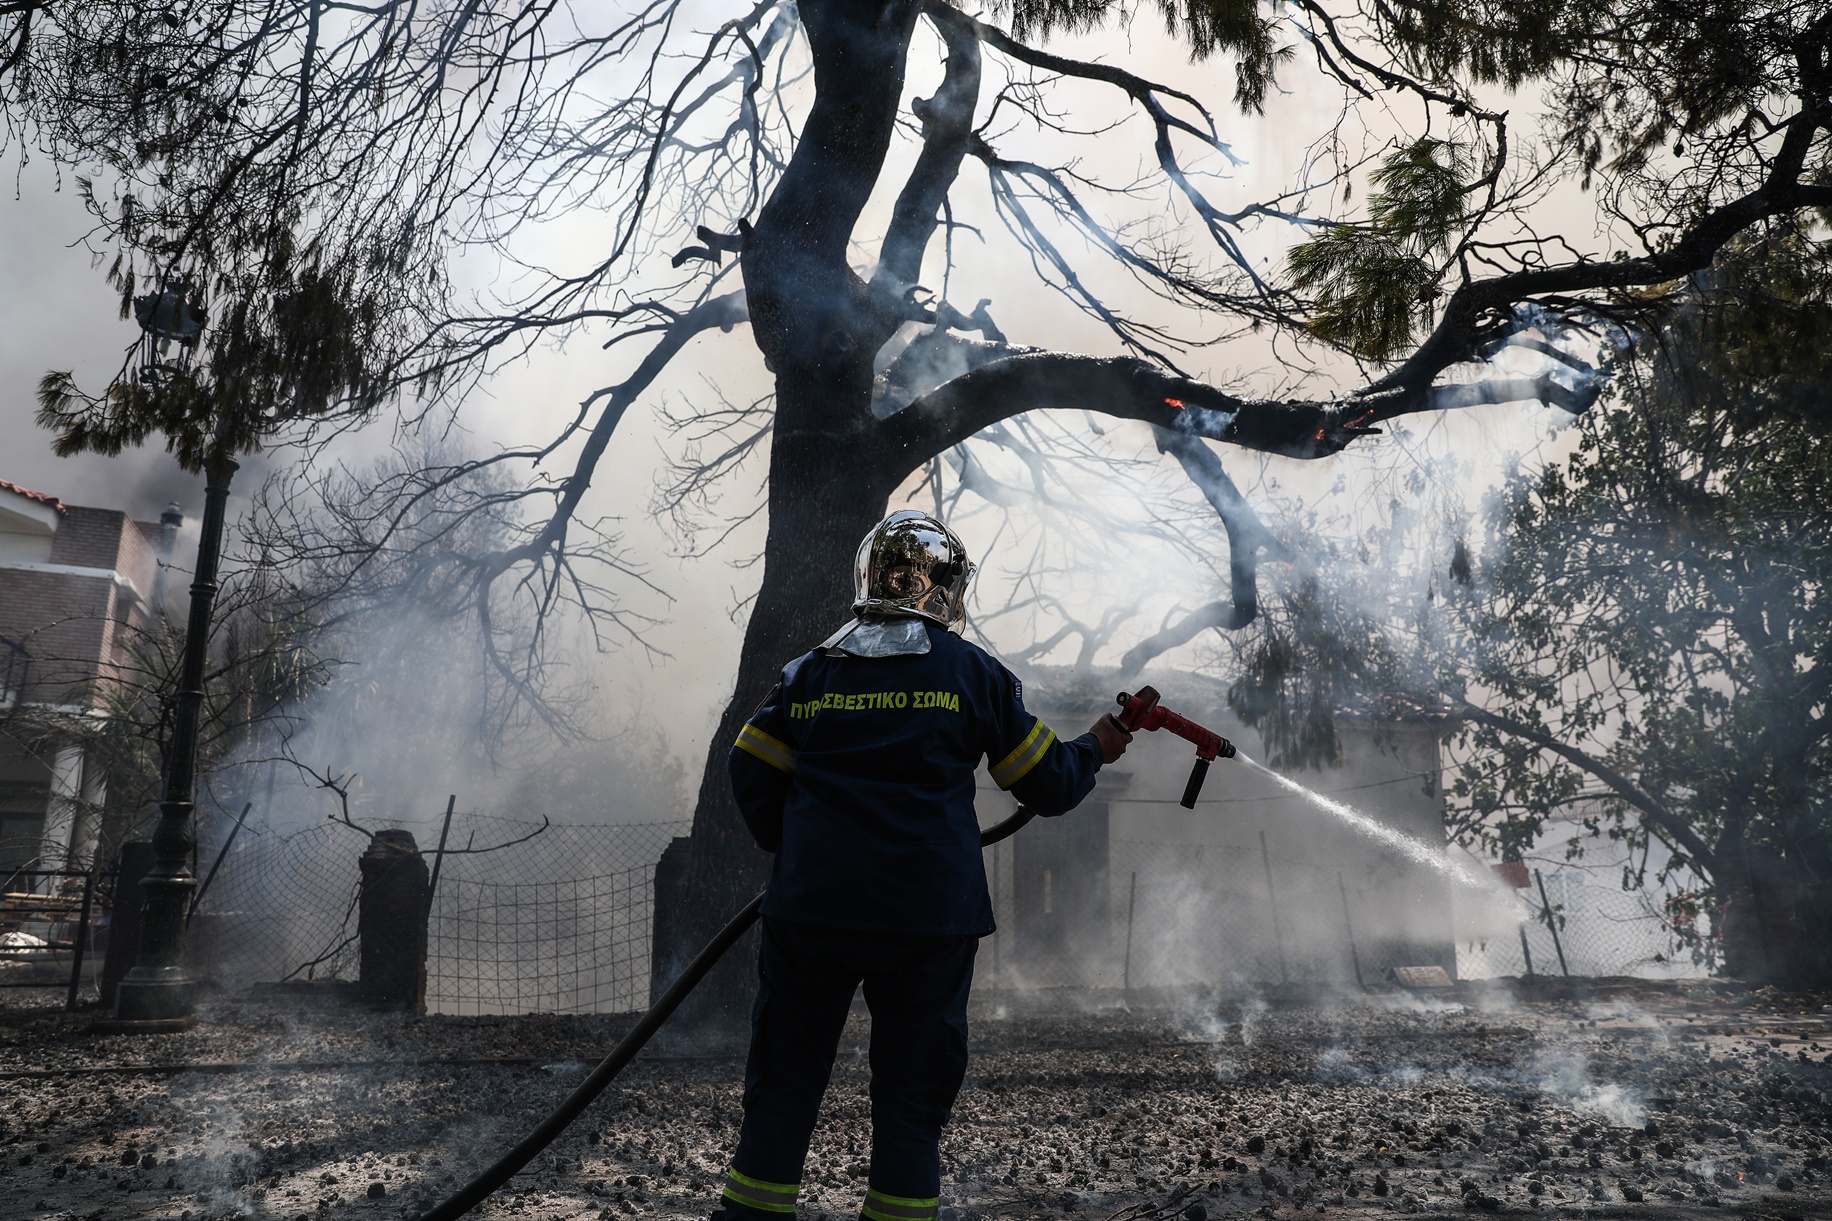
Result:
[1615,1099]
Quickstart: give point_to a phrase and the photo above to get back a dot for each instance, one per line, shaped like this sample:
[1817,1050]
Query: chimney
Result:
[169,522]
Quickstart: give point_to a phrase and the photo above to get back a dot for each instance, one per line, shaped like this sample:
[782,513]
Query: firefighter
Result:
[857,772]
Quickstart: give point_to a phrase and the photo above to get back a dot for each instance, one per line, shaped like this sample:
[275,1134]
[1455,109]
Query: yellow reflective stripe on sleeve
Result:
[882,1207]
[1013,767]
[776,754]
[756,1193]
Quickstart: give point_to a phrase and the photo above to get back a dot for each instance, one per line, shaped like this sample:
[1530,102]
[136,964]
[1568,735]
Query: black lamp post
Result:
[159,992]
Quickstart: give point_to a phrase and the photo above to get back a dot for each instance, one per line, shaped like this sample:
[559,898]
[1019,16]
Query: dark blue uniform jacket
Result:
[857,772]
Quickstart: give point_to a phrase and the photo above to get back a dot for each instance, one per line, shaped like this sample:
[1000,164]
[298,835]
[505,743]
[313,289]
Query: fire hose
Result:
[1138,712]
[505,1167]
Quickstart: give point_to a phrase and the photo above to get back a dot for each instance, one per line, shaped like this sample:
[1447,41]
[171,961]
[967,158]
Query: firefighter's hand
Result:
[1113,740]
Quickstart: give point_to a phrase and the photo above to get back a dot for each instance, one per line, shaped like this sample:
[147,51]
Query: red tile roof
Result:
[44,498]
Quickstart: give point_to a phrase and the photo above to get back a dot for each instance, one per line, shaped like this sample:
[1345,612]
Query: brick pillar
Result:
[391,923]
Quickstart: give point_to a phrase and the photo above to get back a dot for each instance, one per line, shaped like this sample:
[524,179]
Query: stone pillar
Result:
[670,889]
[86,827]
[124,918]
[391,923]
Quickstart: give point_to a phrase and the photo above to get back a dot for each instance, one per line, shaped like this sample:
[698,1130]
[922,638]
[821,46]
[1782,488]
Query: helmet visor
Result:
[912,564]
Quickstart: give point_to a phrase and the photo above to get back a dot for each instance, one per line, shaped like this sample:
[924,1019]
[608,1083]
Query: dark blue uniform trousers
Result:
[916,988]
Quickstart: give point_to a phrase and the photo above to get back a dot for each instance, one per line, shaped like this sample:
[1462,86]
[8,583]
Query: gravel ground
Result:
[1655,1101]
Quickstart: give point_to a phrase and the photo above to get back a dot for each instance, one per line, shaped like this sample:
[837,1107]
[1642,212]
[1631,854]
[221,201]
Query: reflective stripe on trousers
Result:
[882,1207]
[758,1194]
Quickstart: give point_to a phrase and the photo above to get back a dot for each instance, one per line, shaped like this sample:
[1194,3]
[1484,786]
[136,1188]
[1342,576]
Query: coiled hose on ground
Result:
[505,1167]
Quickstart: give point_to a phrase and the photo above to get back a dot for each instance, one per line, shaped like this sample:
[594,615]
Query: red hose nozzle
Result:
[1142,711]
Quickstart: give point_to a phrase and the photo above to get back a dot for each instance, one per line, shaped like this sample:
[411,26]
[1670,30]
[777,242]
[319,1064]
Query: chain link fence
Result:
[525,917]
[1583,922]
[529,917]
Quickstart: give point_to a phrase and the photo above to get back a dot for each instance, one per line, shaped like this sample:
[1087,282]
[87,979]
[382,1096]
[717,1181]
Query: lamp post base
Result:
[115,1025]
[158,995]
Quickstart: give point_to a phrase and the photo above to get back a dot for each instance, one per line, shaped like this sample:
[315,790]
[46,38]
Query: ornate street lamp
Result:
[305,354]
[173,315]
[159,993]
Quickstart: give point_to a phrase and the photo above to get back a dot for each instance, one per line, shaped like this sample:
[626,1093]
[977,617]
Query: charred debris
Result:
[1620,1099]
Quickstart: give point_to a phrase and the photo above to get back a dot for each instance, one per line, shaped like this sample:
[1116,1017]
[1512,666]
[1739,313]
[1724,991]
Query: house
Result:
[76,583]
[1255,886]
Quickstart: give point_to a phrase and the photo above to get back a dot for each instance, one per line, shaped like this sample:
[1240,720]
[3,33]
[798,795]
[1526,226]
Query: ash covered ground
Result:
[1656,1101]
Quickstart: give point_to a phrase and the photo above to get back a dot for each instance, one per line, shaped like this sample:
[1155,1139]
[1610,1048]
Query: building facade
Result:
[77,584]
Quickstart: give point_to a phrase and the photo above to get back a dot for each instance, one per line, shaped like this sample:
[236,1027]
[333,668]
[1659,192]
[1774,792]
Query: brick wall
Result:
[88,538]
[140,554]
[67,625]
[75,627]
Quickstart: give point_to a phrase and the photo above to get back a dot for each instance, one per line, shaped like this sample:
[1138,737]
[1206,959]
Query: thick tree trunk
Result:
[823,499]
[1773,922]
[818,326]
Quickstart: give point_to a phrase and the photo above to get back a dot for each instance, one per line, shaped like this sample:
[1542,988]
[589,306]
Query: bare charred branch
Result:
[1247,536]
[1665,822]
[717,245]
[546,823]
[947,137]
[1474,310]
[1133,389]
[721,312]
[932,359]
[1149,95]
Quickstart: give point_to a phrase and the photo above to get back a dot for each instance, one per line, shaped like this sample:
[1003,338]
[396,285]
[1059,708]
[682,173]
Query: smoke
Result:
[397,713]
[1197,1018]
[391,707]
[1541,357]
[1563,1073]
[1252,1010]
[398,726]
[1625,1012]
[1416,1002]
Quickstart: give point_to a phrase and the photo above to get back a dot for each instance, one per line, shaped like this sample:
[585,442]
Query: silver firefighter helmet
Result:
[912,564]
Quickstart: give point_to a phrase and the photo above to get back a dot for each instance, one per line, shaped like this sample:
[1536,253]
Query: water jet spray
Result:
[1142,711]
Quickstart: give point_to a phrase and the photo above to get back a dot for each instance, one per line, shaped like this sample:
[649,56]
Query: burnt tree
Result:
[364,143]
[819,325]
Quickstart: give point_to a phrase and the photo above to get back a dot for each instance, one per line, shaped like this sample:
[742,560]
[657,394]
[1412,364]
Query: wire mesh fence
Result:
[526,917]
[533,918]
[1584,922]
[567,946]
